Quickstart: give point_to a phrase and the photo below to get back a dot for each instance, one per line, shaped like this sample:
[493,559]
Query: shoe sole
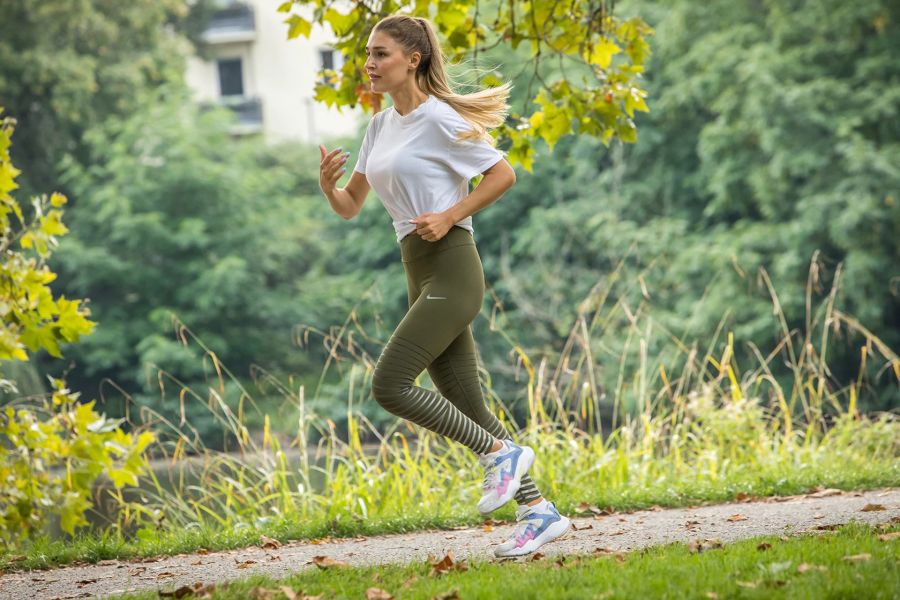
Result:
[525,462]
[555,532]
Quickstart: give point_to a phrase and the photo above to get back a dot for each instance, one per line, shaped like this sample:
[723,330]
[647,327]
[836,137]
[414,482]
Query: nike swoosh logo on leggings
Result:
[430,297]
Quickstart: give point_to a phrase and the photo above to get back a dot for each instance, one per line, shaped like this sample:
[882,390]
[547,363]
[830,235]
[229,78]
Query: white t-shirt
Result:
[416,165]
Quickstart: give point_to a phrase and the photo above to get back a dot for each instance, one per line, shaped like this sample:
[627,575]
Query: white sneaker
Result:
[504,470]
[536,527]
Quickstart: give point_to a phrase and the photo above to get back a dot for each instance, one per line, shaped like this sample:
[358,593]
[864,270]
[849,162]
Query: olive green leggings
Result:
[445,286]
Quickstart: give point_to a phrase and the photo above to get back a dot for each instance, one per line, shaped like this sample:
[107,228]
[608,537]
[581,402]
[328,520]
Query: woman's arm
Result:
[348,200]
[494,184]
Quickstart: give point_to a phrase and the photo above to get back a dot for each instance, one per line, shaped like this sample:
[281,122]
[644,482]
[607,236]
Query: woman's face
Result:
[386,65]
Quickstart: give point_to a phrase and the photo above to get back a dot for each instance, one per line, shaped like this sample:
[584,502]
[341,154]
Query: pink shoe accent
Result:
[501,489]
[521,541]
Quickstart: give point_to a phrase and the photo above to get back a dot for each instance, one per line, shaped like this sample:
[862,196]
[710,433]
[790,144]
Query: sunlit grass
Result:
[704,433]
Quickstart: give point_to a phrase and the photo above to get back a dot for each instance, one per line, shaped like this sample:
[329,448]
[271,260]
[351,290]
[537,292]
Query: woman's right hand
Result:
[331,168]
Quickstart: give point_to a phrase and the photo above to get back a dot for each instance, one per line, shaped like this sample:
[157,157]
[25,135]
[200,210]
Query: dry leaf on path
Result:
[374,593]
[736,517]
[269,543]
[451,595]
[824,492]
[324,562]
[872,508]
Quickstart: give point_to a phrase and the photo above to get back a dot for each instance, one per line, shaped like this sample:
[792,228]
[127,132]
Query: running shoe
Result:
[536,527]
[503,472]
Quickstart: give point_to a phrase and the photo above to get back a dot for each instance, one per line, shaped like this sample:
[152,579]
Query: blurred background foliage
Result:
[770,155]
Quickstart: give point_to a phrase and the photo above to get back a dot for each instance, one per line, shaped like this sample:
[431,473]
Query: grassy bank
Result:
[855,561]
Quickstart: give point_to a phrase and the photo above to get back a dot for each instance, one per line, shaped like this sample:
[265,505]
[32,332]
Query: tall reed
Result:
[703,431]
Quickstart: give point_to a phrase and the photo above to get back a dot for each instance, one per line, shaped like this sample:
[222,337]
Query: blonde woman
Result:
[419,155]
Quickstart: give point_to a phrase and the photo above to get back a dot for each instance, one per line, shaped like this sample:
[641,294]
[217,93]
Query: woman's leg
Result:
[455,373]
[450,285]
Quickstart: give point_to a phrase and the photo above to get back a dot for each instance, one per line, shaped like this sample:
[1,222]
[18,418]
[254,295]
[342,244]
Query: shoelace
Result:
[492,474]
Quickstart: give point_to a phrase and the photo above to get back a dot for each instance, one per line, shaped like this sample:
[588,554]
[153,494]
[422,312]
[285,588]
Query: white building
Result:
[267,79]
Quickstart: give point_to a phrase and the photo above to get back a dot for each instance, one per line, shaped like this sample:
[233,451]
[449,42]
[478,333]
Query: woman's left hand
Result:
[433,226]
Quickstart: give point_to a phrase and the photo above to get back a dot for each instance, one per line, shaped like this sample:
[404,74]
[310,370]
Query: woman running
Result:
[419,155]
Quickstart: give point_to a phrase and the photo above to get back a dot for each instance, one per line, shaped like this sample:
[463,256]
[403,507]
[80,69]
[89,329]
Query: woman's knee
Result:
[388,388]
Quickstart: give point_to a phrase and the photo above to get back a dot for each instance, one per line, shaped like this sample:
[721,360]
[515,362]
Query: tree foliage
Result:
[608,52]
[50,453]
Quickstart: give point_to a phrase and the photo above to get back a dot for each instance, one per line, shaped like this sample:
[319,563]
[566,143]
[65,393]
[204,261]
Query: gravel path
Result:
[616,532]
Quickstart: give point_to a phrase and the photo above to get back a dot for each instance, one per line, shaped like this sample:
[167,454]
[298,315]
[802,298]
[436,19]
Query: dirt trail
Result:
[616,532]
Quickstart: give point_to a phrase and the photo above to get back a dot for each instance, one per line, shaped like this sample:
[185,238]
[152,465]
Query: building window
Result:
[231,77]
[328,58]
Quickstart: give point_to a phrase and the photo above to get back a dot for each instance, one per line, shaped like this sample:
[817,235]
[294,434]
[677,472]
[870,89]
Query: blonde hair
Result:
[484,109]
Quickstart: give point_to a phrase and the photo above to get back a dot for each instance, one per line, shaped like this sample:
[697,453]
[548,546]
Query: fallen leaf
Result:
[886,537]
[165,574]
[374,593]
[804,567]
[764,546]
[488,528]
[697,546]
[537,556]
[451,595]
[577,528]
[269,543]
[740,497]
[447,564]
[408,583]
[196,589]
[244,564]
[261,593]
[736,517]
[202,551]
[818,516]
[85,582]
[289,592]
[858,557]
[872,508]
[747,584]
[824,492]
[324,562]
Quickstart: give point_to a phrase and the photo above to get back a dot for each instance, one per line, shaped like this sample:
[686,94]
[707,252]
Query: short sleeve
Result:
[365,147]
[466,158]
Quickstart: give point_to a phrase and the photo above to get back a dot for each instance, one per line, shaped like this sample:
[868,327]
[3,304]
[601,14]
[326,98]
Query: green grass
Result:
[744,569]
